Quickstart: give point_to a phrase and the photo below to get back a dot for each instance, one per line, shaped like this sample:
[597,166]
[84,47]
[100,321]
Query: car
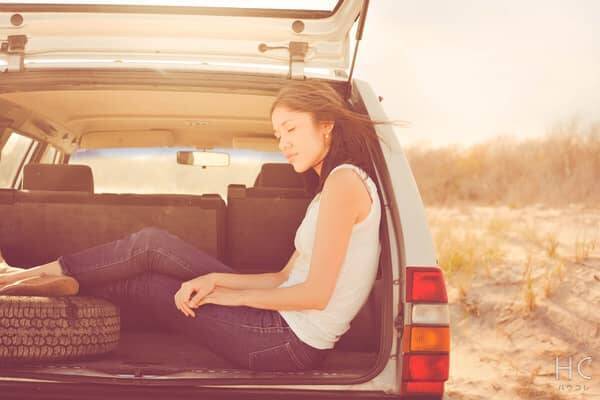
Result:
[116,117]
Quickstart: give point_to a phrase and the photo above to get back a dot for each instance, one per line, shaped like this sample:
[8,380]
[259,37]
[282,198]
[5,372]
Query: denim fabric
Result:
[143,271]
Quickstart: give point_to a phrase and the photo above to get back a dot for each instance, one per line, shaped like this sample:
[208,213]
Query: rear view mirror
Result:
[203,158]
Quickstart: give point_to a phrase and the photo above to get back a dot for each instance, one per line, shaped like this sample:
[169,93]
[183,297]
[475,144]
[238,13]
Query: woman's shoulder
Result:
[345,176]
[349,173]
[351,167]
[351,182]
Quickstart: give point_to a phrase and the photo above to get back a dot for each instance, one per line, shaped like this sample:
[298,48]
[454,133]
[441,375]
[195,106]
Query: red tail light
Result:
[425,285]
[426,367]
[426,339]
[424,388]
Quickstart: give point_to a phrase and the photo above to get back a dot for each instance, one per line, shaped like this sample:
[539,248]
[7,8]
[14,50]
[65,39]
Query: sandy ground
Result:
[509,326]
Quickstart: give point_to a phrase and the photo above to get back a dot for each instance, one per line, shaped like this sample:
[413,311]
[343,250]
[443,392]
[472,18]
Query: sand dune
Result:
[538,298]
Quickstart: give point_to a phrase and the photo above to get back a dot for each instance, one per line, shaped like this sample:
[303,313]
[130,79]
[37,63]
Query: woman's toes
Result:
[14,269]
[7,278]
[4,267]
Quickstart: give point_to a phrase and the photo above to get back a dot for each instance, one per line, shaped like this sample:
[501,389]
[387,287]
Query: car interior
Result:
[252,230]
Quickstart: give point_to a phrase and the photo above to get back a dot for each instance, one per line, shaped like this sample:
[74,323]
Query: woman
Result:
[282,321]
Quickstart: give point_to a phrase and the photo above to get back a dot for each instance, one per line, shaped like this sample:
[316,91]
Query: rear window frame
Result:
[188,10]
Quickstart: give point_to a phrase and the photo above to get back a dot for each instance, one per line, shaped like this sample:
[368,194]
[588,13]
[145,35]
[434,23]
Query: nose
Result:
[283,144]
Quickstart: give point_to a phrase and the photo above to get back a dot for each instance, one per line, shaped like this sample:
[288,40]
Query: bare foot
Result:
[4,267]
[14,274]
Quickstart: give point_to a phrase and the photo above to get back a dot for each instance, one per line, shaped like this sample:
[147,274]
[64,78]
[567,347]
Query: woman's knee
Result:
[149,236]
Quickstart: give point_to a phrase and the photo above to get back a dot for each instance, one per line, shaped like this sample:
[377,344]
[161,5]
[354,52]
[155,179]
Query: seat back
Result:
[58,177]
[39,226]
[262,220]
[261,226]
[278,175]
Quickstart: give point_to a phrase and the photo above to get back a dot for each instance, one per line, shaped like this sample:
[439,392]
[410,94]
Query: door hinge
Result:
[297,53]
[14,48]
[399,320]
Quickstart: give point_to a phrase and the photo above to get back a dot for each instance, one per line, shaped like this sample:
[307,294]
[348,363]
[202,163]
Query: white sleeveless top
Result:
[322,328]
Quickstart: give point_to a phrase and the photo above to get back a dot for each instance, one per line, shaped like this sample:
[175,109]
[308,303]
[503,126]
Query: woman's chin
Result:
[298,168]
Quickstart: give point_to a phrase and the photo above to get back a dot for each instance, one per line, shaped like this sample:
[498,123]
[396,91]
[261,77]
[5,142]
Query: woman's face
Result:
[302,141]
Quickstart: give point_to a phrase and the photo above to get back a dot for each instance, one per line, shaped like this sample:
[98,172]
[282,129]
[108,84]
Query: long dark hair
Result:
[353,137]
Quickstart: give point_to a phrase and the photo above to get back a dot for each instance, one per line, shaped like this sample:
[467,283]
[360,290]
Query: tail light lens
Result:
[424,388]
[426,367]
[426,344]
[425,285]
[427,338]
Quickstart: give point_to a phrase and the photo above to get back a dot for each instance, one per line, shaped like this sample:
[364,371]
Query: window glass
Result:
[49,155]
[155,170]
[28,156]
[12,154]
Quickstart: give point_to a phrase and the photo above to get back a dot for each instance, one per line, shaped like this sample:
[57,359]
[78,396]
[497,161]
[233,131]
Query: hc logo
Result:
[569,367]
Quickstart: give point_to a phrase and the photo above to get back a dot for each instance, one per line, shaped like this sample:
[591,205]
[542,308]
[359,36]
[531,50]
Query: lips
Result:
[290,156]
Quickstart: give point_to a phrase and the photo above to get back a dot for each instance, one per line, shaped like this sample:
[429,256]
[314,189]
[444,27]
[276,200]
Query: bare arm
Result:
[253,281]
[339,209]
[233,284]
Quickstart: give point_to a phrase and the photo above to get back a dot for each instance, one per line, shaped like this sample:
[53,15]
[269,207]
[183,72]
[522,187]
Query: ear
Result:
[326,127]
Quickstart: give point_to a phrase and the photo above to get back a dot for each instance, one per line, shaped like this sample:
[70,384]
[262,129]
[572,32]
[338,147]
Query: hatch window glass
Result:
[155,170]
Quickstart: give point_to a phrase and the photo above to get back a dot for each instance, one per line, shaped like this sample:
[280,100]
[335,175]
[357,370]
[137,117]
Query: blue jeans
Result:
[145,269]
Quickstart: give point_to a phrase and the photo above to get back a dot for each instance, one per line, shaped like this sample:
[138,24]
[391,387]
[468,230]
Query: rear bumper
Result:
[25,389]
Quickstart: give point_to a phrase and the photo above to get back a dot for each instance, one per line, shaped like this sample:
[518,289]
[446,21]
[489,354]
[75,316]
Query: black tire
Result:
[34,329]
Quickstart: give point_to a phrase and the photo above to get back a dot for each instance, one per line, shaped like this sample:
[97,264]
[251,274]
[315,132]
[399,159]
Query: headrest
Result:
[278,175]
[59,177]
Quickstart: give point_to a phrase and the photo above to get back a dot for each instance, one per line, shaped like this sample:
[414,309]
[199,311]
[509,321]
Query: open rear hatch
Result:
[282,40]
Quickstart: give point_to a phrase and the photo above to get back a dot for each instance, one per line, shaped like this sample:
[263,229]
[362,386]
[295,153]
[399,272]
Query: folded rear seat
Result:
[62,220]
[261,225]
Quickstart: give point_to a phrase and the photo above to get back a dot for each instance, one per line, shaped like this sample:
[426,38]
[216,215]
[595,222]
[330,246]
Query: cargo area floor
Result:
[163,354]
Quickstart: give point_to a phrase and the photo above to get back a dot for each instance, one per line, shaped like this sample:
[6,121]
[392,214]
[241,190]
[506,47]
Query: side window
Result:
[16,149]
[49,156]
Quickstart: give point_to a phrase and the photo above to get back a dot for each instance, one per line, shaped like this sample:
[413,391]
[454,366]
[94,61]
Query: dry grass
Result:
[551,245]
[583,246]
[461,255]
[555,274]
[529,293]
[478,247]
[561,168]
[498,226]
[531,235]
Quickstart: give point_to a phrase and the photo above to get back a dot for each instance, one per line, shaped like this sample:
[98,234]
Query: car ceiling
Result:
[119,118]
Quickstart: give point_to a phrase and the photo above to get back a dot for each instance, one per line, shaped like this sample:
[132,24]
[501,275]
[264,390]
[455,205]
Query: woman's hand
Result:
[222,296]
[198,288]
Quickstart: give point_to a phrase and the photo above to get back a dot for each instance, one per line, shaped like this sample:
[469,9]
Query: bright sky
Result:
[465,70]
